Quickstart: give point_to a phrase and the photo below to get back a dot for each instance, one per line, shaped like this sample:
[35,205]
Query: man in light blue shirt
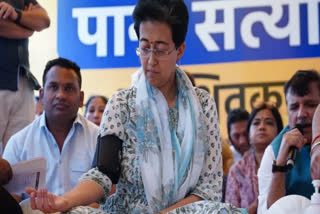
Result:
[65,138]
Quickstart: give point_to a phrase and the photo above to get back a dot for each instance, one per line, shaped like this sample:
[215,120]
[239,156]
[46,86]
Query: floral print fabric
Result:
[120,119]
[200,207]
[242,185]
[170,166]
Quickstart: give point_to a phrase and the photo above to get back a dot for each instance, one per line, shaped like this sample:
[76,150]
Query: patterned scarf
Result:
[170,157]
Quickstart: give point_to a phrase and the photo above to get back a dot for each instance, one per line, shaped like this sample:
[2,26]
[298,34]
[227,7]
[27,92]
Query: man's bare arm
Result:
[277,188]
[33,17]
[10,30]
[290,139]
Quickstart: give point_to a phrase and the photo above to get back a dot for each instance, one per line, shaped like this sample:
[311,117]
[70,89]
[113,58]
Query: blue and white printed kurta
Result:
[120,119]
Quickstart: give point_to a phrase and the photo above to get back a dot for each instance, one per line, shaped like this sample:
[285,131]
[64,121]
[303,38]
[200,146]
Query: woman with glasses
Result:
[264,125]
[168,130]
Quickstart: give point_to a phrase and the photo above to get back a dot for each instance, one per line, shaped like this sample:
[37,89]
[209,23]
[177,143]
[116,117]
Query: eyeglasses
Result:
[146,52]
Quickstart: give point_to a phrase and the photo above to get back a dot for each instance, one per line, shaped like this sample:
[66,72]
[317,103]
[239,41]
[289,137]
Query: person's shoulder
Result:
[237,164]
[248,157]
[205,99]
[87,123]
[32,128]
[243,162]
[25,137]
[124,94]
[233,169]
[201,93]
[122,98]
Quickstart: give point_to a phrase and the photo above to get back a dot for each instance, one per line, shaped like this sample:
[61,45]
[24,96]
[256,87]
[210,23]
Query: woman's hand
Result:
[47,202]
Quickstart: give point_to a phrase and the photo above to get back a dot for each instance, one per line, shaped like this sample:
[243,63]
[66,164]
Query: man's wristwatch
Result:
[276,168]
[19,12]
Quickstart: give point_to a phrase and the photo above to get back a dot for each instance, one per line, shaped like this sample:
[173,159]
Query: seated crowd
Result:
[68,141]
[263,126]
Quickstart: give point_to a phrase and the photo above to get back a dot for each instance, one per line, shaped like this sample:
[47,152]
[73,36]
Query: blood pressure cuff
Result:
[108,156]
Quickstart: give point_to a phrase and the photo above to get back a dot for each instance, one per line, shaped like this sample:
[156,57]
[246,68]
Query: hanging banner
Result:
[100,34]
[241,51]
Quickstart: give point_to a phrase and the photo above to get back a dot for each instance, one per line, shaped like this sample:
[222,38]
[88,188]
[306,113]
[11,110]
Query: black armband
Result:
[276,168]
[108,156]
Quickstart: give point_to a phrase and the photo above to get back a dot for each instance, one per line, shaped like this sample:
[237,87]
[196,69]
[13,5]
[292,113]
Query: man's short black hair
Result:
[172,12]
[299,83]
[236,115]
[65,63]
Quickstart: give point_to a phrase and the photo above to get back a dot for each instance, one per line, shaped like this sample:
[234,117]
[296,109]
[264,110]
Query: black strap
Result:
[19,12]
[108,157]
[276,168]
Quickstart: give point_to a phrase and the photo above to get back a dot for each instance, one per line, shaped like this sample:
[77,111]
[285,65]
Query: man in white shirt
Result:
[65,138]
[237,132]
[275,179]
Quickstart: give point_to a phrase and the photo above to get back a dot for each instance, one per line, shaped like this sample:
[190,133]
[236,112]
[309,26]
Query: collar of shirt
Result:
[43,123]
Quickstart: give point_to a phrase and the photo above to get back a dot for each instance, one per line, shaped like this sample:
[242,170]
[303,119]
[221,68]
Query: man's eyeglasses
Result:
[146,52]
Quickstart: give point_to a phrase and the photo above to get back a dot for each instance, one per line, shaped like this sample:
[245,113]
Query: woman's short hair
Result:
[104,99]
[274,110]
[172,12]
